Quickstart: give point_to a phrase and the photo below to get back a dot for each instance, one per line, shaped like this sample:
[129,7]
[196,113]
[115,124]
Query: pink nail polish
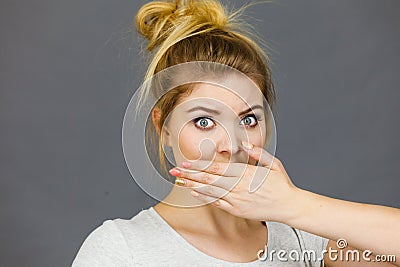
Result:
[175,172]
[186,164]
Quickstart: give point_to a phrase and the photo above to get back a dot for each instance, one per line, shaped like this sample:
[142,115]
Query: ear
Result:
[155,116]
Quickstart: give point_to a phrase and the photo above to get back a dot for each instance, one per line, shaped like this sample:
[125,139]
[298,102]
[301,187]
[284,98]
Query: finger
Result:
[217,202]
[223,204]
[201,177]
[232,169]
[209,190]
[262,156]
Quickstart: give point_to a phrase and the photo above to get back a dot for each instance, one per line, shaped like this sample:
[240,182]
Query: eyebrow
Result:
[213,111]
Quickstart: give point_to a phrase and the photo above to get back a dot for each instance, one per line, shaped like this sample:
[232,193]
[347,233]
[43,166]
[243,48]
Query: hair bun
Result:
[157,19]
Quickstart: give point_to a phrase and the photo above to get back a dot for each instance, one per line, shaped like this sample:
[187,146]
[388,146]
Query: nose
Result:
[228,142]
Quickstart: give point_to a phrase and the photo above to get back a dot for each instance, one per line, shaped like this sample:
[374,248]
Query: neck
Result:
[197,217]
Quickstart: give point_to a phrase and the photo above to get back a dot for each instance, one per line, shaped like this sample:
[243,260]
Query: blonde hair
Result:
[180,31]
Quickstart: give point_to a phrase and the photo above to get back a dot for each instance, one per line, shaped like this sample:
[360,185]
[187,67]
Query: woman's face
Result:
[211,123]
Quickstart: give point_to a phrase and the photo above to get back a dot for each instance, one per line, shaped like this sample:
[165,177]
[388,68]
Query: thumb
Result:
[261,155]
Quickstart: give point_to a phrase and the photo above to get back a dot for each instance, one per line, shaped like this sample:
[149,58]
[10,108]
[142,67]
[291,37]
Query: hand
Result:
[227,185]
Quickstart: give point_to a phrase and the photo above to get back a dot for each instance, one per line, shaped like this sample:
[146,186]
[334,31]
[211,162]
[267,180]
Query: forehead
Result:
[234,91]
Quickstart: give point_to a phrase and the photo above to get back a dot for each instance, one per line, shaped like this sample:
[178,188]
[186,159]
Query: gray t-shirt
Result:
[148,240]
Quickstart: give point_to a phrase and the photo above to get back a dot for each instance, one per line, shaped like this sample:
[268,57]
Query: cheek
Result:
[189,143]
[256,138]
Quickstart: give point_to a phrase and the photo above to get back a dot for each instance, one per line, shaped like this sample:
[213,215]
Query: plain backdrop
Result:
[69,68]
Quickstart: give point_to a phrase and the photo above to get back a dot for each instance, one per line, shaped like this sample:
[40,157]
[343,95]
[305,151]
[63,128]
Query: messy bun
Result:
[180,31]
[156,20]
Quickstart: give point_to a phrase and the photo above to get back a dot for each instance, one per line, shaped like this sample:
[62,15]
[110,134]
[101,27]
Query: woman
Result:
[234,227]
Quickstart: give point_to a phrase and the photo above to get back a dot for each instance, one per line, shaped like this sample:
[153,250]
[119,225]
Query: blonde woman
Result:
[239,228]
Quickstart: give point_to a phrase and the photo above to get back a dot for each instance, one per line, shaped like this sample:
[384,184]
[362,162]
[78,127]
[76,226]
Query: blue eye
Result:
[249,121]
[204,123]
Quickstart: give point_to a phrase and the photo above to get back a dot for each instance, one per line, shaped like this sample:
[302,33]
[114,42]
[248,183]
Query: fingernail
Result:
[194,193]
[180,182]
[247,145]
[186,164]
[175,172]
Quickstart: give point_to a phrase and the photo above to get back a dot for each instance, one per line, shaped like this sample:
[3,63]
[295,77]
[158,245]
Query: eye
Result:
[204,123]
[249,121]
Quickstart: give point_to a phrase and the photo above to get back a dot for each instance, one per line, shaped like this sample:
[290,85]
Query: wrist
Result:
[299,207]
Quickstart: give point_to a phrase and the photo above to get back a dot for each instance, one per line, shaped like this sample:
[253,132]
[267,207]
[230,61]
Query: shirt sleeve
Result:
[105,246]
[315,243]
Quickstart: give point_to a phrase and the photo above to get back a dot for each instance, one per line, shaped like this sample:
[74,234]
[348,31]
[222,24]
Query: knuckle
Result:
[187,175]
[210,190]
[207,178]
[240,212]
[188,183]
[214,167]
[278,163]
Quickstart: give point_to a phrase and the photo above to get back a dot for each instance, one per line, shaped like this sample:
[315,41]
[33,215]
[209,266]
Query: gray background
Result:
[68,69]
